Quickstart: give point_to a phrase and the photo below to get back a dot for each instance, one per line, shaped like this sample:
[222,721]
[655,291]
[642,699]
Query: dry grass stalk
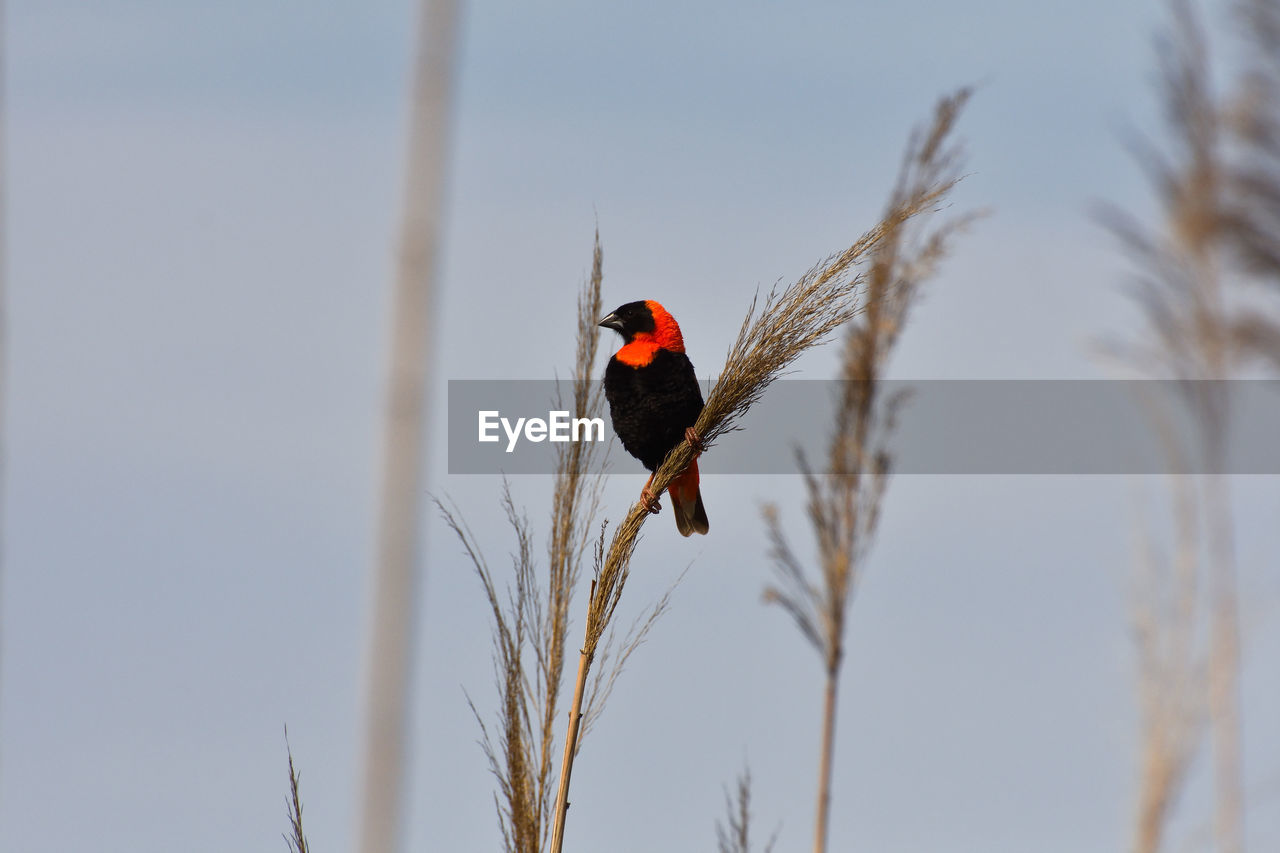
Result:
[531,617]
[734,834]
[531,623]
[844,505]
[1220,191]
[395,574]
[512,751]
[1171,668]
[575,505]
[295,838]
[771,338]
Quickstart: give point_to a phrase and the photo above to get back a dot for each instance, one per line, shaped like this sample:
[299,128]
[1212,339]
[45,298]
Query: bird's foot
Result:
[650,501]
[648,498]
[695,441]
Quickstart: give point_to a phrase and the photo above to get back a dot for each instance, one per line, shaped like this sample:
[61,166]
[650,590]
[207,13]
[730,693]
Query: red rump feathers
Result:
[686,500]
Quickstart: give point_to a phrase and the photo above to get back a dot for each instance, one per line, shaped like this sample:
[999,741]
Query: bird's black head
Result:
[634,318]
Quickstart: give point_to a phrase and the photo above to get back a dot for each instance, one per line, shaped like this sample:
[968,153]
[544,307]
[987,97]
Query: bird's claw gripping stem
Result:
[648,498]
[695,441]
[650,501]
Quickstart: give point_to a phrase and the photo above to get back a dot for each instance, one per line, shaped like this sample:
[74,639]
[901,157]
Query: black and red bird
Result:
[655,401]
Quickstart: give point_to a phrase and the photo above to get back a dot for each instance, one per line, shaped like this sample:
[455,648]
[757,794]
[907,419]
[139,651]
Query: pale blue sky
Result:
[203,202]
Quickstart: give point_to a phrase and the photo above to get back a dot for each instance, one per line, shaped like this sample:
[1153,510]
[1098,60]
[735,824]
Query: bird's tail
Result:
[686,501]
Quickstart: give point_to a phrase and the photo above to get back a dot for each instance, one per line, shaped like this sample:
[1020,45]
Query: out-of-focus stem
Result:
[1224,669]
[395,583]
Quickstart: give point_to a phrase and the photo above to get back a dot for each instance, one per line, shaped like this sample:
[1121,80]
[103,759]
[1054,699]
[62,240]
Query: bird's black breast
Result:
[652,405]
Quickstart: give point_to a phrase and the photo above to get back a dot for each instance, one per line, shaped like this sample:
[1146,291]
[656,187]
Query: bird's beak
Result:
[613,321]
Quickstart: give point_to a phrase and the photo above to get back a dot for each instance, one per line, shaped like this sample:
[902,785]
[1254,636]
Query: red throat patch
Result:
[645,345]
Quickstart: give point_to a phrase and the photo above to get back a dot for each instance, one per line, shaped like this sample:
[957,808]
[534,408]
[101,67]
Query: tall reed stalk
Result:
[395,574]
[772,336]
[1198,270]
[531,621]
[844,503]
